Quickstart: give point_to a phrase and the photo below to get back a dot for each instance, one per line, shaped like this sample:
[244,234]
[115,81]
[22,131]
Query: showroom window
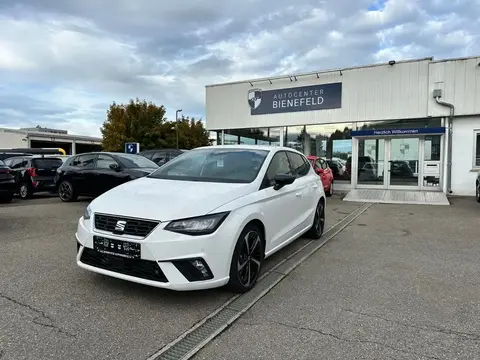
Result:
[255,136]
[476,144]
[332,142]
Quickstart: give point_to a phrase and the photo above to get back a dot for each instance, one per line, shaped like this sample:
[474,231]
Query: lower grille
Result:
[145,269]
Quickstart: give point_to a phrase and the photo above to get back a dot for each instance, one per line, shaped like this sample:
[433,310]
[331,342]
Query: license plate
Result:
[115,247]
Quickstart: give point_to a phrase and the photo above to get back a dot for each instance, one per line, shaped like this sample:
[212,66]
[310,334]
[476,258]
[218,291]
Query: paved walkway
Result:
[400,282]
[397,197]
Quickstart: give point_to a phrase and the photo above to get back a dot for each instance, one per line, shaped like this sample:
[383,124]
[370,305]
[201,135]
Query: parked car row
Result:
[88,174]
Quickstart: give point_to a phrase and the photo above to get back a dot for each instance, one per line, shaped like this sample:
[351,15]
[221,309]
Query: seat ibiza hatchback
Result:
[207,218]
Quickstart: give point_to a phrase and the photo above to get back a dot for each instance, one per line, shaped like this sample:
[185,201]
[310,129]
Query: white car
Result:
[205,219]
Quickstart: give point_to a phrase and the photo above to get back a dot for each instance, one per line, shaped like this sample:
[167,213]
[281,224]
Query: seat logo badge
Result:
[120,227]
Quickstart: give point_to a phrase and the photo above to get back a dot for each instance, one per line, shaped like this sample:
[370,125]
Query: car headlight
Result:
[88,213]
[201,225]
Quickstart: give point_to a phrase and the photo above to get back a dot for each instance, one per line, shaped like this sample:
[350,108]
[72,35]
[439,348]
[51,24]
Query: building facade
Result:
[412,125]
[48,138]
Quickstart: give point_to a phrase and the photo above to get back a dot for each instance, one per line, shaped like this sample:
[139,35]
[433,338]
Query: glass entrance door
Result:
[404,166]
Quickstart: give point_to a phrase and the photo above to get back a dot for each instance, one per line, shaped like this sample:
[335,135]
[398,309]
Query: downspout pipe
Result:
[449,142]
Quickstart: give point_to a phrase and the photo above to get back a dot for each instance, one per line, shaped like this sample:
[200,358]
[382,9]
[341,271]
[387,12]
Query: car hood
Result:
[167,200]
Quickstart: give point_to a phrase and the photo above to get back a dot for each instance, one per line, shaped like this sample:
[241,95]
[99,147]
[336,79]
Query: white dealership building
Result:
[401,125]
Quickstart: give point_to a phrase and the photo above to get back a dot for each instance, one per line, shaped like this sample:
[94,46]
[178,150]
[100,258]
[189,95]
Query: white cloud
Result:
[63,62]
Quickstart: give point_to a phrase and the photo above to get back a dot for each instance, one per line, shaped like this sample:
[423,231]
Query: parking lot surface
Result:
[51,309]
[400,282]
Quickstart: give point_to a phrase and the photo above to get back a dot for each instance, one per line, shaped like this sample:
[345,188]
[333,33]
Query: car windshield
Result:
[214,165]
[136,161]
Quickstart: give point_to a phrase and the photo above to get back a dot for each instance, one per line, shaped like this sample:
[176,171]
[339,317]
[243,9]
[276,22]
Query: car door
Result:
[105,177]
[306,183]
[82,174]
[280,206]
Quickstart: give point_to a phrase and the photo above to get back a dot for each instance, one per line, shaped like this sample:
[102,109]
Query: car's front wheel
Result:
[478,192]
[66,191]
[316,231]
[247,260]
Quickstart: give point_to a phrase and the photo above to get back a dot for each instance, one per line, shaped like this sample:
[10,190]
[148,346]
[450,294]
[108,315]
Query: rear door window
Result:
[85,161]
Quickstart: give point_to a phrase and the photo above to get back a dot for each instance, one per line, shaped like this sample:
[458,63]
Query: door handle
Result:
[315,186]
[298,194]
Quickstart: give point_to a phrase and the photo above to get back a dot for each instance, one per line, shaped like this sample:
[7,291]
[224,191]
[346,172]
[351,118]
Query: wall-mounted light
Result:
[250,83]
[391,62]
[295,77]
[270,81]
[341,73]
[318,77]
[290,78]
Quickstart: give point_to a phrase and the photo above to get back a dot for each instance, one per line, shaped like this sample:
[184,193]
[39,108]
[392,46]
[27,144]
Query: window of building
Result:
[476,144]
[254,136]
[329,141]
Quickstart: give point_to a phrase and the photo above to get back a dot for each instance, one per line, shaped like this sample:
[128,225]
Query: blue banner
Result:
[304,98]
[399,132]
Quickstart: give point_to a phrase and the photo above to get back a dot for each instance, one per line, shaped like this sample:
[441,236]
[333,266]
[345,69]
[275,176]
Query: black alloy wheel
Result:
[66,192]
[477,196]
[247,260]
[318,226]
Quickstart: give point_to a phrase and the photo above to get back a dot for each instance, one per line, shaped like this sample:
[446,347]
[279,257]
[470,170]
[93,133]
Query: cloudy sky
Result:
[62,62]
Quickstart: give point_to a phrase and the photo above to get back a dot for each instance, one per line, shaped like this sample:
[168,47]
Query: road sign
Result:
[132,148]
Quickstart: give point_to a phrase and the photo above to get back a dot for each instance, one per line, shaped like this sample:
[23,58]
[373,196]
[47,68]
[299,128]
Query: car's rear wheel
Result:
[25,191]
[330,190]
[66,191]
[6,198]
[478,192]
[247,260]
[316,231]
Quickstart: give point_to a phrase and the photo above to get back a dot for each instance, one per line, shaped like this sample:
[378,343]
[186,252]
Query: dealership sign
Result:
[399,132]
[304,98]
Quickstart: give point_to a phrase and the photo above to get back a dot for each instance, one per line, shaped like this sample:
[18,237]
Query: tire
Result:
[330,190]
[318,226]
[477,192]
[25,191]
[7,198]
[66,191]
[247,262]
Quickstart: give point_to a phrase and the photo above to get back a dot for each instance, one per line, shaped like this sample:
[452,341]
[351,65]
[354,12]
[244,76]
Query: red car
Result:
[323,170]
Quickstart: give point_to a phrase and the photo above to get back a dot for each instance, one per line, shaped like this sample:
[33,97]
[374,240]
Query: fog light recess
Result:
[193,269]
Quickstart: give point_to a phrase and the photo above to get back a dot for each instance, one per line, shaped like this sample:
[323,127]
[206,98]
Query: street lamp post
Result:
[176,122]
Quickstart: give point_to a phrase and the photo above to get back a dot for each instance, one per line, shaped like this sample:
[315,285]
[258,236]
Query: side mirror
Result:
[282,180]
[115,167]
[319,171]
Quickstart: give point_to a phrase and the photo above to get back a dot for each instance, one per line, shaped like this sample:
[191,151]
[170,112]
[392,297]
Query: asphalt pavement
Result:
[400,282]
[51,309]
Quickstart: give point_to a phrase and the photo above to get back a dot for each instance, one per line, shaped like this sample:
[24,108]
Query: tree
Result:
[145,123]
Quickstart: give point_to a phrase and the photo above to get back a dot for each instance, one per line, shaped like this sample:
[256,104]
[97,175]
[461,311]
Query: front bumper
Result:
[170,253]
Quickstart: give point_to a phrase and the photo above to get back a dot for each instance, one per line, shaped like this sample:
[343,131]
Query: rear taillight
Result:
[6,171]
[32,172]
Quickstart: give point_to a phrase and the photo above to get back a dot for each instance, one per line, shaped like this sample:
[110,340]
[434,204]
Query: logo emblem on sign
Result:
[254,98]
[120,226]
